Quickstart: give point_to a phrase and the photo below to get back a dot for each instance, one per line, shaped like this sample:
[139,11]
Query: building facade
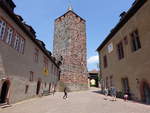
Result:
[124,54]
[69,45]
[27,69]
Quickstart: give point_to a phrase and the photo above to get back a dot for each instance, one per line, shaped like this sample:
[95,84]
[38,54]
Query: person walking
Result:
[65,93]
[54,92]
[106,93]
[113,93]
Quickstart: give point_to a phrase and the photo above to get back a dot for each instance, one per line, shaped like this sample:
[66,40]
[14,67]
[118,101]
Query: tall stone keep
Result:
[69,45]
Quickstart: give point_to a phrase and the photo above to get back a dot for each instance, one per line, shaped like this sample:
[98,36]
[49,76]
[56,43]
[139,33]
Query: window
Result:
[31,76]
[107,82]
[36,55]
[2,29]
[135,41]
[111,80]
[22,44]
[45,63]
[105,61]
[9,36]
[55,73]
[19,44]
[16,42]
[52,69]
[45,84]
[126,40]
[120,51]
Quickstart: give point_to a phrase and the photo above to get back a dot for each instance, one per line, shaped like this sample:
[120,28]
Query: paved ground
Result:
[78,102]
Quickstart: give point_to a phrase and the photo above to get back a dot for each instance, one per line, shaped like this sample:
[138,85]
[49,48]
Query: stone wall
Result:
[70,43]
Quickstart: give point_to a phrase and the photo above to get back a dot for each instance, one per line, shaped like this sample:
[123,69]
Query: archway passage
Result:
[93,81]
[38,87]
[4,92]
[146,90]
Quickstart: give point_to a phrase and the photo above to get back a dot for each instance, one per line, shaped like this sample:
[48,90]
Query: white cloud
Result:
[93,59]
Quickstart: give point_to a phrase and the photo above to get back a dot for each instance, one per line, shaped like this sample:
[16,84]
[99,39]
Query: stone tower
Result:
[69,44]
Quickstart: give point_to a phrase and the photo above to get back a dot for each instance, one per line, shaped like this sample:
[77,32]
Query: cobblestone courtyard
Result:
[78,102]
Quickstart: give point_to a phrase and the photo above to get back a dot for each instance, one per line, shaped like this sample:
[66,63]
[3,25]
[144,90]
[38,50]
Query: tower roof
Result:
[70,10]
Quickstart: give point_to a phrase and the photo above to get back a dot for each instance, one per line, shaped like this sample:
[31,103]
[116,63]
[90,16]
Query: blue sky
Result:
[100,15]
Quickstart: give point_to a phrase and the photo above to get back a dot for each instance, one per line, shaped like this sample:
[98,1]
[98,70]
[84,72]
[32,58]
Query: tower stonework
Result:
[70,45]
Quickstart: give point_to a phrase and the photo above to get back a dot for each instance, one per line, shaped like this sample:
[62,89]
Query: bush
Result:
[120,94]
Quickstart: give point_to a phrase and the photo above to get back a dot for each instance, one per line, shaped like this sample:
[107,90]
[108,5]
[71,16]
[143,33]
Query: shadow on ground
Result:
[99,92]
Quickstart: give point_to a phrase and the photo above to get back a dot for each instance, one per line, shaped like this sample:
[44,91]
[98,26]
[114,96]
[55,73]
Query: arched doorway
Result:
[4,91]
[146,90]
[38,87]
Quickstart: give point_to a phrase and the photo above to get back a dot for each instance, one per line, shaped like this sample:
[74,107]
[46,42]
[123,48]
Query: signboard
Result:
[110,48]
[45,71]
